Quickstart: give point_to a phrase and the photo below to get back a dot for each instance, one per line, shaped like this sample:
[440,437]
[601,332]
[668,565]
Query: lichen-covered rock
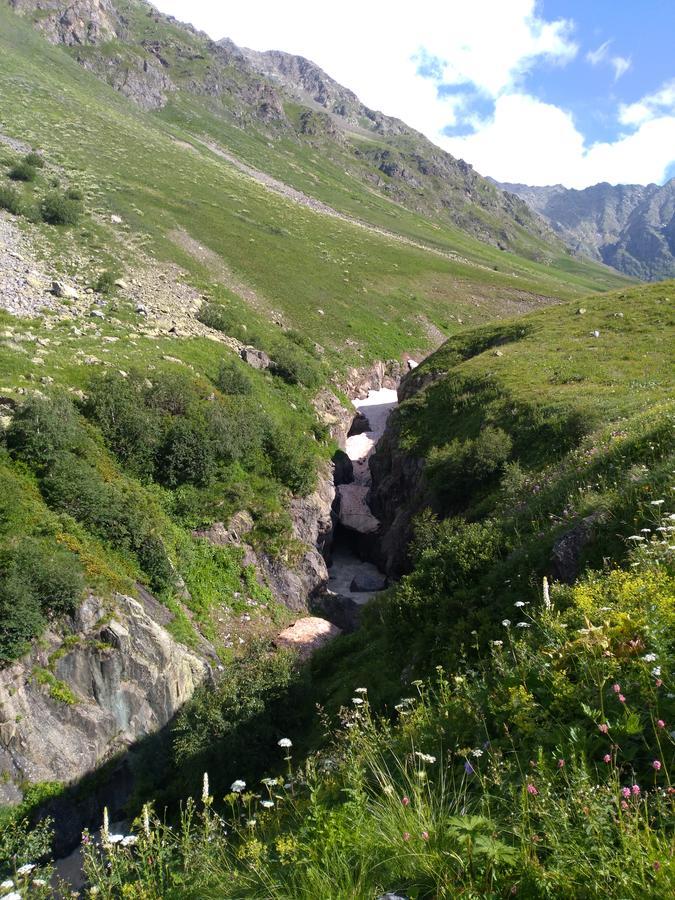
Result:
[68,706]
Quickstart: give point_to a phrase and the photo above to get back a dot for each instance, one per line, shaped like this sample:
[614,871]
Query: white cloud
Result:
[374,48]
[620,64]
[538,143]
[650,107]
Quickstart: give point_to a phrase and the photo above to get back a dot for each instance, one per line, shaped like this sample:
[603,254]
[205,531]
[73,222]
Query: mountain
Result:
[628,226]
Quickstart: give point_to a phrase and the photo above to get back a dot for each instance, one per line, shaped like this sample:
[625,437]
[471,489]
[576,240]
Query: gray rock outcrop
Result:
[69,706]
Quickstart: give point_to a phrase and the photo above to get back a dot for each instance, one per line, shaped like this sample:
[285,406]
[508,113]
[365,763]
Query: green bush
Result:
[75,193]
[34,159]
[38,579]
[42,429]
[457,469]
[23,171]
[232,379]
[291,461]
[105,283]
[10,199]
[186,455]
[296,367]
[220,318]
[59,209]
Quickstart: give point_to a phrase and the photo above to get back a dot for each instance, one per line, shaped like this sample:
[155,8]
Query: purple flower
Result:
[468,768]
[625,793]
[656,765]
[531,789]
[635,790]
[607,758]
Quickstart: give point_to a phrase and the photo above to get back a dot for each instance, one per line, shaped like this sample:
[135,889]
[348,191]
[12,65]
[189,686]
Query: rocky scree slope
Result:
[154,60]
[628,226]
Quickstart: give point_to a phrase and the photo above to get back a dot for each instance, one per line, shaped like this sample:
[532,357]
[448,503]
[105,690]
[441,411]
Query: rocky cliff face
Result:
[73,23]
[628,226]
[71,705]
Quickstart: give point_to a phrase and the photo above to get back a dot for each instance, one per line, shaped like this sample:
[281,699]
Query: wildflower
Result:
[506,622]
[130,840]
[624,805]
[660,723]
[405,801]
[406,836]
[106,824]
[656,765]
[616,688]
[656,865]
[522,625]
[205,787]
[636,537]
[607,758]
[547,596]
[146,820]
[635,790]
[604,727]
[39,882]
[237,786]
[425,757]
[357,701]
[26,869]
[267,804]
[625,793]
[658,682]
[251,823]
[498,643]
[622,699]
[6,885]
[649,657]
[657,502]
[531,789]
[519,603]
[269,782]
[285,743]
[477,753]
[361,690]
[656,671]
[425,835]
[561,763]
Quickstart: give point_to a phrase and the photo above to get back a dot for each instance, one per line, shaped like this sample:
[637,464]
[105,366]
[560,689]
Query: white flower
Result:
[649,657]
[656,671]
[546,594]
[477,753]
[130,840]
[270,782]
[657,502]
[205,787]
[266,804]
[519,603]
[506,622]
[522,624]
[26,869]
[15,895]
[146,820]
[40,882]
[238,786]
[285,743]
[251,823]
[635,537]
[357,701]
[425,757]
[360,690]
[498,643]
[6,885]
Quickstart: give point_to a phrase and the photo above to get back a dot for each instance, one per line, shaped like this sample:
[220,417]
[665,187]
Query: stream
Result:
[350,576]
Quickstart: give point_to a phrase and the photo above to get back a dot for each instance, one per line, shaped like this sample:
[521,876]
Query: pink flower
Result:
[616,688]
[661,723]
[625,793]
[531,789]
[406,836]
[405,801]
[607,758]
[622,699]
[658,682]
[561,763]
[425,835]
[604,728]
[636,790]
[656,765]
[624,805]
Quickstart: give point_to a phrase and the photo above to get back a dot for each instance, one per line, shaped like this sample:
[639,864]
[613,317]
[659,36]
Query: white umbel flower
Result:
[238,786]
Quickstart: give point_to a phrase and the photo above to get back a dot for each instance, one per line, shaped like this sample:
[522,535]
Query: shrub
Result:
[75,193]
[292,462]
[220,318]
[59,209]
[296,367]
[42,429]
[23,171]
[232,379]
[186,455]
[457,469]
[34,159]
[10,199]
[105,283]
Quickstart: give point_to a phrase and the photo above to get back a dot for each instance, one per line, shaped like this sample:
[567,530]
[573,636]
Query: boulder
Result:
[365,582]
[61,289]
[360,425]
[567,552]
[307,635]
[255,358]
[343,468]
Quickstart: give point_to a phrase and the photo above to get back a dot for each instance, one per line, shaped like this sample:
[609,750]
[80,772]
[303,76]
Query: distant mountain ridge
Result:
[628,226]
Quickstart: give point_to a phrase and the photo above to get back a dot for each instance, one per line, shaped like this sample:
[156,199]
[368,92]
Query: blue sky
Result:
[539,92]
